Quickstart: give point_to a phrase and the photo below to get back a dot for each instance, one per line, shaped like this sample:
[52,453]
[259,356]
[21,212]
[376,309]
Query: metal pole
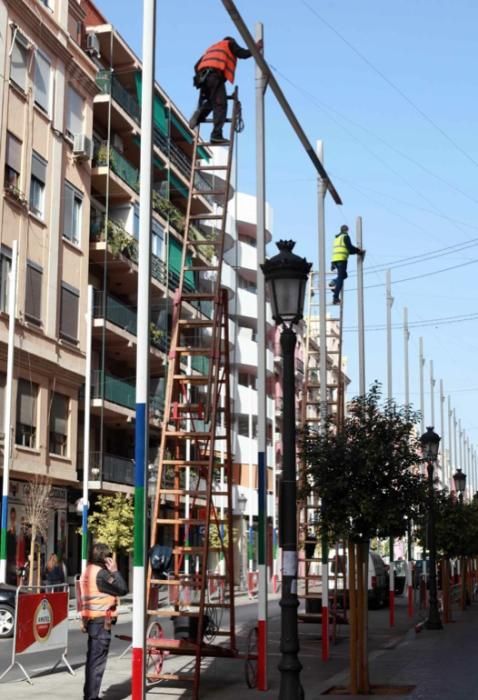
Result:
[286,108]
[360,308]
[443,435]
[7,421]
[250,505]
[460,443]
[406,371]
[261,84]
[142,353]
[422,389]
[389,301]
[432,394]
[86,431]
[289,665]
[321,192]
[455,446]
[434,621]
[450,444]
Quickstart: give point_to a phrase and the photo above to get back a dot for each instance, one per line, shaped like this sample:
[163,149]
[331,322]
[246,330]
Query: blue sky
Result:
[391,90]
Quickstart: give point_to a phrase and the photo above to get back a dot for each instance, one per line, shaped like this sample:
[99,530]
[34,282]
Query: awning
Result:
[160,113]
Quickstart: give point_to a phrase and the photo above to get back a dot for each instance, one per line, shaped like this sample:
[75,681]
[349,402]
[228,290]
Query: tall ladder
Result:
[310,576]
[189,498]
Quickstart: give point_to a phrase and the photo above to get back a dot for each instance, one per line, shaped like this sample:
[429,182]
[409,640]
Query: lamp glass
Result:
[286,298]
[430,443]
[460,480]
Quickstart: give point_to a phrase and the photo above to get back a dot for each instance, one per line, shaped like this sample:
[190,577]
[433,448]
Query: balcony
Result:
[126,171]
[121,243]
[114,390]
[116,469]
[109,85]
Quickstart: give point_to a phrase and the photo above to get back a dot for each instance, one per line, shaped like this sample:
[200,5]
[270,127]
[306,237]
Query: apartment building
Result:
[46,102]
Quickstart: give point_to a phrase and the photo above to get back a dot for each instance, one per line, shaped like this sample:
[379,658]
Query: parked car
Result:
[400,568]
[378,579]
[7,610]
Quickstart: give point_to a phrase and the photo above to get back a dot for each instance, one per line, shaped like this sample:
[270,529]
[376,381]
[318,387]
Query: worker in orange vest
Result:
[215,67]
[100,585]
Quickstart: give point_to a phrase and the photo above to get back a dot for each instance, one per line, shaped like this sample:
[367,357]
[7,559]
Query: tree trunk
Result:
[352,620]
[39,566]
[363,675]
[31,558]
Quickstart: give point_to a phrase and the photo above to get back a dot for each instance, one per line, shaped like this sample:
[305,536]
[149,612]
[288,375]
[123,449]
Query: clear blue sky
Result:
[391,90]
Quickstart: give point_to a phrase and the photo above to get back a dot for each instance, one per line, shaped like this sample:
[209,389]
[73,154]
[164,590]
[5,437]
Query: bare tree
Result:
[37,510]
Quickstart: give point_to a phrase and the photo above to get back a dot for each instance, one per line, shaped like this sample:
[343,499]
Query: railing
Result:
[126,318]
[117,162]
[108,84]
[121,242]
[181,160]
[108,388]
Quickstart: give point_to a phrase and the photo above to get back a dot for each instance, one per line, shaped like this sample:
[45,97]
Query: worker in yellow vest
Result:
[341,250]
[215,67]
[100,585]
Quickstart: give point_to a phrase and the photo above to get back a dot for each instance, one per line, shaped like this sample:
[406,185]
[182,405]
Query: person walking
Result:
[216,67]
[341,250]
[100,585]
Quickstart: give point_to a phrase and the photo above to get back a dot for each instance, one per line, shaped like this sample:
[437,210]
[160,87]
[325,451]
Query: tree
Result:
[366,477]
[113,521]
[37,514]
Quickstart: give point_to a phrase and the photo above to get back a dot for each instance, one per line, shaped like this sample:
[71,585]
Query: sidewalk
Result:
[440,664]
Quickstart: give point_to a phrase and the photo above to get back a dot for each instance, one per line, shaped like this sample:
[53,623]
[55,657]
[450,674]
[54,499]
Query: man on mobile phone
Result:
[100,584]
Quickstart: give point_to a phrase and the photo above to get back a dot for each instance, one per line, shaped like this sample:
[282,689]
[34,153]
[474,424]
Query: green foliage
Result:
[456,526]
[365,474]
[215,539]
[112,522]
[119,240]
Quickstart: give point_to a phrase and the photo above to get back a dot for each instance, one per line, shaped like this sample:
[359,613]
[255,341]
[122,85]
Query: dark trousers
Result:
[213,98]
[98,646]
[341,268]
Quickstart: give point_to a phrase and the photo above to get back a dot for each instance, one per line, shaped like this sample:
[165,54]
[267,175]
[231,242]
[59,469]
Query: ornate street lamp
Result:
[430,442]
[459,478]
[286,276]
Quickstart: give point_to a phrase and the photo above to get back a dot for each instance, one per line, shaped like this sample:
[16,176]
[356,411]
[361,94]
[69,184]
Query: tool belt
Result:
[201,77]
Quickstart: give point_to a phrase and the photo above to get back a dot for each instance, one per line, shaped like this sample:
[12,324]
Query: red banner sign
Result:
[42,622]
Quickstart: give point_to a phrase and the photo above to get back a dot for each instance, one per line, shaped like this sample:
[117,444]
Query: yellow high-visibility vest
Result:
[340,251]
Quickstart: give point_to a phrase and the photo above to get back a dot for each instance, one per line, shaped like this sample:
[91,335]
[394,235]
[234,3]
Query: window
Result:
[19,61]
[41,82]
[33,292]
[74,115]
[37,185]
[157,241]
[243,426]
[73,201]
[69,313]
[60,407]
[26,428]
[13,161]
[5,266]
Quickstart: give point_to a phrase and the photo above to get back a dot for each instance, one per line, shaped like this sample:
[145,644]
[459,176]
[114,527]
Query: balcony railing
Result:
[126,318]
[117,162]
[109,388]
[122,242]
[108,84]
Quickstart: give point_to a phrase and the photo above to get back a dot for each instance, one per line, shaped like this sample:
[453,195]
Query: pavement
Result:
[434,665]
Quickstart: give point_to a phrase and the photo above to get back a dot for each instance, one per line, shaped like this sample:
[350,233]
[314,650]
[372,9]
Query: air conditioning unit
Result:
[82,147]
[92,44]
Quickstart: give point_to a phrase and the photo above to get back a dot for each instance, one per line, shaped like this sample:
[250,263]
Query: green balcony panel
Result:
[175,262]
[109,85]
[118,164]
[160,116]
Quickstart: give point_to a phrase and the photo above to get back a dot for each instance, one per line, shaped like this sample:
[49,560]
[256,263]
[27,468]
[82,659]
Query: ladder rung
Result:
[186,521]
[205,296]
[173,613]
[198,434]
[196,322]
[201,268]
[185,492]
[211,121]
[192,378]
[193,351]
[187,462]
[204,241]
[209,192]
[189,677]
[196,580]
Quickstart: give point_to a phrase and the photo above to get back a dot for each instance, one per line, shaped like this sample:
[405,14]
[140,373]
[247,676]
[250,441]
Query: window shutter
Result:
[59,414]
[18,65]
[42,81]
[38,168]
[14,152]
[74,119]
[68,196]
[33,292]
[69,314]
[27,403]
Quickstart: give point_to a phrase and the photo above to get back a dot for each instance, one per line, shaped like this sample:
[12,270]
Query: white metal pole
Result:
[455,444]
[142,352]
[406,371]
[389,302]
[432,395]
[422,389]
[360,309]
[250,505]
[7,424]
[450,444]
[443,435]
[86,429]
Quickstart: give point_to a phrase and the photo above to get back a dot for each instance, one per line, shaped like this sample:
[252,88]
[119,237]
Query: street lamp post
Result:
[242,502]
[286,277]
[430,442]
[459,478]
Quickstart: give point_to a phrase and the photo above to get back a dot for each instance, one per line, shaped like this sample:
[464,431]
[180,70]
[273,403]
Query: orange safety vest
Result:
[220,57]
[94,603]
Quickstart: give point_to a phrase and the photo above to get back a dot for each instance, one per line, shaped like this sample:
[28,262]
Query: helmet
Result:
[344,229]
